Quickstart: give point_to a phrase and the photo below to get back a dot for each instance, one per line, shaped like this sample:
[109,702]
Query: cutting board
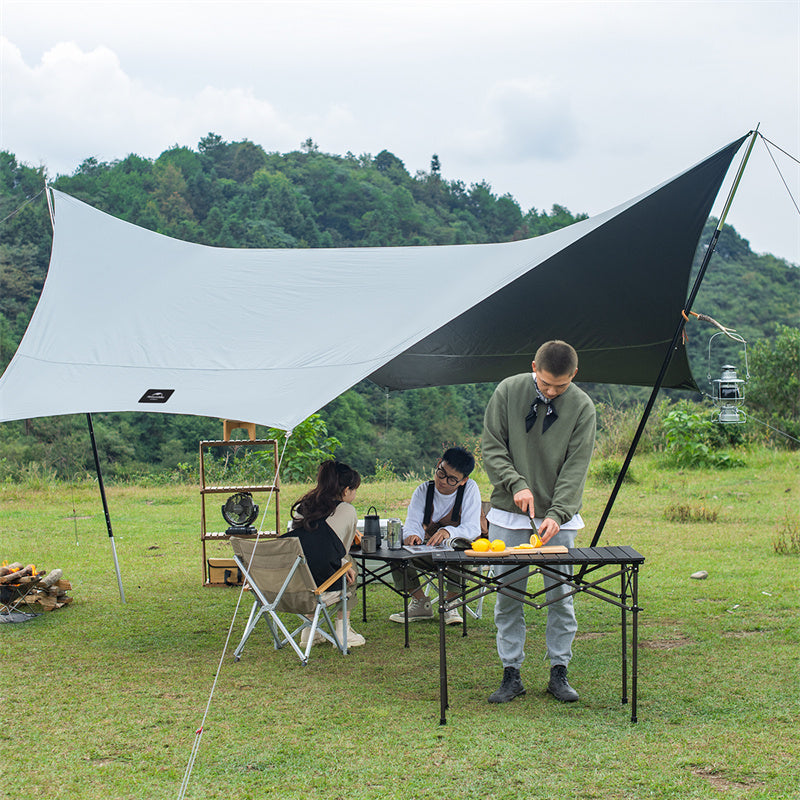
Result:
[548,549]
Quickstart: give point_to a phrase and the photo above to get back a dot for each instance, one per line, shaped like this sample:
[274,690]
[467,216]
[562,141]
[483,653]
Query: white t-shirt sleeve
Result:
[416,511]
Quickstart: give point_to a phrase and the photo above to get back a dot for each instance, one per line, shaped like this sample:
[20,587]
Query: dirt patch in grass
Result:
[745,634]
[666,644]
[720,781]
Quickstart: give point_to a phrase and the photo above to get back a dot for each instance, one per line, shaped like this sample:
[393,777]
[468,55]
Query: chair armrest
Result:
[333,578]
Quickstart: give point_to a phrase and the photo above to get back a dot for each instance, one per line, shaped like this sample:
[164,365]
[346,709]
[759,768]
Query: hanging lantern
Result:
[728,395]
[728,391]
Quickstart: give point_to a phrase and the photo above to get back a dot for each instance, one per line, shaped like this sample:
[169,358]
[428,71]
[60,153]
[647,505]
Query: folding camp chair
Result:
[277,573]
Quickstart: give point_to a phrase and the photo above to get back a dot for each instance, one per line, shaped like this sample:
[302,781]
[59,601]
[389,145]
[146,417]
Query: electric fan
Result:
[239,512]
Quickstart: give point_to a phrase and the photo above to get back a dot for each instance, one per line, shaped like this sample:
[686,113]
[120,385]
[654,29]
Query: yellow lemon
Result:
[535,540]
[481,544]
[498,545]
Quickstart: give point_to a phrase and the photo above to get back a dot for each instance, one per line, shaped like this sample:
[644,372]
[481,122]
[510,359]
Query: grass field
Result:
[102,700]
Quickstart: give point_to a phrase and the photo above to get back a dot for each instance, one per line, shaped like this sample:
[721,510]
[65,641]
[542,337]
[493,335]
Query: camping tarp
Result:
[130,320]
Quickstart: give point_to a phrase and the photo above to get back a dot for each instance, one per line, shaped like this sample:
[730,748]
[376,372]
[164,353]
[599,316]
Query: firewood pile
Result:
[25,585]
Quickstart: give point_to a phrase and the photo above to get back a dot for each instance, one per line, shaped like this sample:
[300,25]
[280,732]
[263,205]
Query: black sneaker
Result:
[558,686]
[510,688]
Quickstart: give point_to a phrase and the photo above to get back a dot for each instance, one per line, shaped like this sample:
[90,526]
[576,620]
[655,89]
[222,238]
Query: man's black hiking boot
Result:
[510,688]
[558,686]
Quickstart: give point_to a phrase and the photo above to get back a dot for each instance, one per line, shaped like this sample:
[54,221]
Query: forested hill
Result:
[235,194]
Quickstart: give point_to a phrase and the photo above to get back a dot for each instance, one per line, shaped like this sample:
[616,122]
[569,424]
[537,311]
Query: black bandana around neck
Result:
[551,415]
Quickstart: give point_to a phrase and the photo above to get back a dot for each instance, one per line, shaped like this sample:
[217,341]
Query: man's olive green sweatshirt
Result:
[552,465]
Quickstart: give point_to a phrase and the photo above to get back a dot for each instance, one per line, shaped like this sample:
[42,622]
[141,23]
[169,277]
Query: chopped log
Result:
[27,600]
[49,590]
[52,577]
[46,602]
[13,577]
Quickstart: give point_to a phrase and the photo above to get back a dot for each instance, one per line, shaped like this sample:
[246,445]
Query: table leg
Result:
[464,607]
[443,699]
[363,591]
[634,640]
[405,600]
[624,628]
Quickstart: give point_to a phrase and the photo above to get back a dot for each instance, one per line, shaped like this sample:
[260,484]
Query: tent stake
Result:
[672,347]
[105,507]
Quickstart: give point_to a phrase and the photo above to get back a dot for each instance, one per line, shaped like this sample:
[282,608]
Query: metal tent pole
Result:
[676,337]
[105,507]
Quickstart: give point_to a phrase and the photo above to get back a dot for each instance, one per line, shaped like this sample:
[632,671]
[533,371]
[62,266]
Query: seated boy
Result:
[448,506]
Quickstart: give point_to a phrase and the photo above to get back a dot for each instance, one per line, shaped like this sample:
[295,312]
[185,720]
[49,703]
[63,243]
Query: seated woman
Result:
[324,520]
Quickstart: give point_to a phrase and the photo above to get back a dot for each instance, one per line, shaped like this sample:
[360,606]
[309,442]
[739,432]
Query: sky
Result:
[582,104]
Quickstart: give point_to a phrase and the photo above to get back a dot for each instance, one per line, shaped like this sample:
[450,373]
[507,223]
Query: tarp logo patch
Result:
[156,396]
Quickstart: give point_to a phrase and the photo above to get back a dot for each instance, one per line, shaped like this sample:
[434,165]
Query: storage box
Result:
[224,571]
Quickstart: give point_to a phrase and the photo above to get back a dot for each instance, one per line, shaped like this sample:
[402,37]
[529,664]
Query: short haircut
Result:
[556,357]
[460,459]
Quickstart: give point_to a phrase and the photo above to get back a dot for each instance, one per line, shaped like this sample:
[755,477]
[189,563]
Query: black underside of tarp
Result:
[616,295]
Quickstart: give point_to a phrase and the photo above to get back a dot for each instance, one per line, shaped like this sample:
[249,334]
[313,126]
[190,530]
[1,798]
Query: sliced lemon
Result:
[535,540]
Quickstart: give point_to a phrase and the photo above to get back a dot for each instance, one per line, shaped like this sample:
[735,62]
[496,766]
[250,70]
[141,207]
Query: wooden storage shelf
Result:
[272,490]
[261,487]
[218,536]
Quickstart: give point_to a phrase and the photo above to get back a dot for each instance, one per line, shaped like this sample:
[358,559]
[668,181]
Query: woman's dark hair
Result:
[333,478]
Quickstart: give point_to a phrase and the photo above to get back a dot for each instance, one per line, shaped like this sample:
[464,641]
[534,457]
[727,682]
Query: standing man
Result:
[538,436]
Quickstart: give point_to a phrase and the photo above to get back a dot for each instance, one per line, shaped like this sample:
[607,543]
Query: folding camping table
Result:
[599,566]
[380,571]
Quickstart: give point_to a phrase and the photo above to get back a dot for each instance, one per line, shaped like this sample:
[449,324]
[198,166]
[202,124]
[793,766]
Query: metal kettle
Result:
[372,525]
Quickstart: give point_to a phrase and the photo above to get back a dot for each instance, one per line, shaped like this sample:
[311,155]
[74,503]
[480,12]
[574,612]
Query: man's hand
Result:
[439,537]
[413,539]
[523,500]
[351,576]
[549,528]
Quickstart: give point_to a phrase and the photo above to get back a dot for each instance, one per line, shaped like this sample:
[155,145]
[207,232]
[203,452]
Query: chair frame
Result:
[281,635]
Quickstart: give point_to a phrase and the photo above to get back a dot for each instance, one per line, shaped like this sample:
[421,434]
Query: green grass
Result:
[102,700]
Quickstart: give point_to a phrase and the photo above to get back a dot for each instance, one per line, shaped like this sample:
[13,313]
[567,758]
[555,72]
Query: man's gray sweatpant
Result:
[509,613]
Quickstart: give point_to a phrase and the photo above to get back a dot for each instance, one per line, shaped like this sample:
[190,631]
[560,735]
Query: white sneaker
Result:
[417,610]
[452,617]
[353,639]
[318,637]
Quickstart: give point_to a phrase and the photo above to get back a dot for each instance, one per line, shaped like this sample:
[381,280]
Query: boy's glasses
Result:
[451,480]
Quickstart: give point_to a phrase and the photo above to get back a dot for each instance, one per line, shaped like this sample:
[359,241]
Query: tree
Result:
[774,390]
[210,144]
[392,167]
[247,159]
[304,450]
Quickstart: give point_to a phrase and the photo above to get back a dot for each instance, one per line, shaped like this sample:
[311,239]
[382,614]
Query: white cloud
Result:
[76,104]
[70,100]
[535,120]
[579,103]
